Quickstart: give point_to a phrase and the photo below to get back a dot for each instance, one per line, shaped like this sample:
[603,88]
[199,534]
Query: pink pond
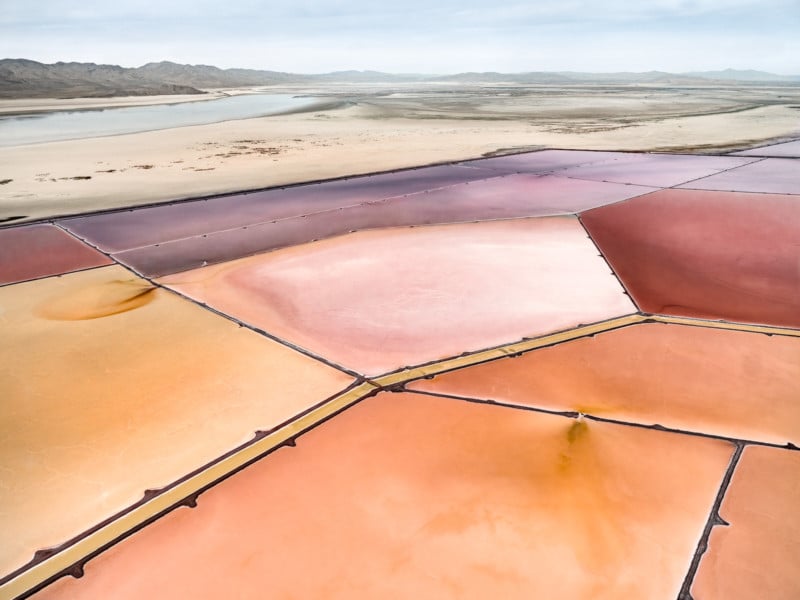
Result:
[664,170]
[502,197]
[41,250]
[137,227]
[771,176]
[543,161]
[716,255]
[378,301]
[785,150]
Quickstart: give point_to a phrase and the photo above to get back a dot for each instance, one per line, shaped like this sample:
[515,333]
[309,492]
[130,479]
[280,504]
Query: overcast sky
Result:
[415,36]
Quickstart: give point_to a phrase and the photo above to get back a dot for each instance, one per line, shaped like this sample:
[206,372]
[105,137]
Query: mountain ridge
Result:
[25,78]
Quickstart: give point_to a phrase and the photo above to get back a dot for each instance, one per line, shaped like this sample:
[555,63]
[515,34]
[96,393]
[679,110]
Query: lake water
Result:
[70,125]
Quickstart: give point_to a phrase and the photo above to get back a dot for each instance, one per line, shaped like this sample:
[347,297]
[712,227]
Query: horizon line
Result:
[408,73]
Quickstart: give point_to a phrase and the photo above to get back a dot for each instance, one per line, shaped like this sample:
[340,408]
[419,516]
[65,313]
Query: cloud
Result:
[415,35]
[410,12]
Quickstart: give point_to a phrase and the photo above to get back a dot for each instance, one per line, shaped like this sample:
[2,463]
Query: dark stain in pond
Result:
[98,301]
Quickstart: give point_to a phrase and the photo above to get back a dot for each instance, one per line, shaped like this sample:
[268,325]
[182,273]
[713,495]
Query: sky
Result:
[411,36]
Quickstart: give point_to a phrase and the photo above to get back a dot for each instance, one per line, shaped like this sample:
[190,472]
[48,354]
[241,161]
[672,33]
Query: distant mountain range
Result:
[748,75]
[21,78]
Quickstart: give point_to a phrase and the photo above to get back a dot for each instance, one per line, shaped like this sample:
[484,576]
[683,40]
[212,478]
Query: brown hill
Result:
[21,78]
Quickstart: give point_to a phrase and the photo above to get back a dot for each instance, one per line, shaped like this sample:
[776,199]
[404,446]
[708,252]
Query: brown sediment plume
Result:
[103,299]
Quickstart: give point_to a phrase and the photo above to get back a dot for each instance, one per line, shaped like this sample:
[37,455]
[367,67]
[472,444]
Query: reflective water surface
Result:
[70,125]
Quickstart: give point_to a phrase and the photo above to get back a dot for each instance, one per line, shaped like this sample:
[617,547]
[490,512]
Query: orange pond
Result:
[756,556]
[461,485]
[409,495]
[728,383]
[110,387]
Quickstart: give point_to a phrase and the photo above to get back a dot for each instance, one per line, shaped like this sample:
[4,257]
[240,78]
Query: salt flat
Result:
[382,127]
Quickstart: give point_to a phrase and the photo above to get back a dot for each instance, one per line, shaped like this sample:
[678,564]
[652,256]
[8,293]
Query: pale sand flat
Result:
[195,161]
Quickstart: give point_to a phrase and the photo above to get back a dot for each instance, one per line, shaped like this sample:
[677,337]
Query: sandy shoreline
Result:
[369,134]
[29,106]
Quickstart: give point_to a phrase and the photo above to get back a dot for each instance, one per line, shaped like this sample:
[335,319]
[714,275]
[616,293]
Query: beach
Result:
[359,130]
[28,106]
